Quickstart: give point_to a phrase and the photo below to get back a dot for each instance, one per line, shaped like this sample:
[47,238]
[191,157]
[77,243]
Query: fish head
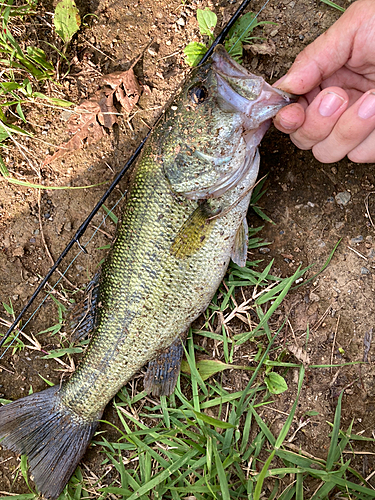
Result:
[213,128]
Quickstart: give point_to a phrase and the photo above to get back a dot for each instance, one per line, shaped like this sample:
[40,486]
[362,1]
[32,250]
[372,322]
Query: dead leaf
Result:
[87,122]
[300,354]
[125,86]
[267,48]
[108,112]
[84,126]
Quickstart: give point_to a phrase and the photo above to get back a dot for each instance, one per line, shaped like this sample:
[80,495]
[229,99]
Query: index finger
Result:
[330,51]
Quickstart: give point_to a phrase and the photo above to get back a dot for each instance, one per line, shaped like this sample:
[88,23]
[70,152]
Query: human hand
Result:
[335,75]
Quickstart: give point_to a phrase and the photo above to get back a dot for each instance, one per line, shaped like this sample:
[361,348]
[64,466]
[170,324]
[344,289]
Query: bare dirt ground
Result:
[304,199]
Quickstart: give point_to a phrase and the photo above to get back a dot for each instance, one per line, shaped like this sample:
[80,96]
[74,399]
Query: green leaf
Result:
[54,100]
[110,214]
[3,169]
[334,5]
[194,52]
[275,383]
[208,367]
[240,33]
[61,352]
[213,421]
[66,19]
[207,21]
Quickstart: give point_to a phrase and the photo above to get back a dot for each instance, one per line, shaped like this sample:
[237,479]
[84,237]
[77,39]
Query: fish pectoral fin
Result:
[241,243]
[162,373]
[82,318]
[193,233]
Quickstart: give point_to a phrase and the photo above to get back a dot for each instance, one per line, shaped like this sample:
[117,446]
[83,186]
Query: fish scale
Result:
[184,218]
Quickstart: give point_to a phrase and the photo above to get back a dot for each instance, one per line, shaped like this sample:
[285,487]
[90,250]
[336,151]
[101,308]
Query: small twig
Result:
[334,340]
[98,50]
[320,321]
[300,426]
[109,236]
[359,452]
[367,343]
[367,208]
[359,254]
[6,369]
[170,55]
[369,477]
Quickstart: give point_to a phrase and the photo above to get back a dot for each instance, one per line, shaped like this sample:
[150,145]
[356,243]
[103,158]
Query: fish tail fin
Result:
[50,434]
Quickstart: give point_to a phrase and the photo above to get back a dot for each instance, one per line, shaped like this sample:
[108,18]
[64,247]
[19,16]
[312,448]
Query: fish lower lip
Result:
[267,102]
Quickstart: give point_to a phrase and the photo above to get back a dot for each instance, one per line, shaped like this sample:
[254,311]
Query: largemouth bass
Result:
[184,218]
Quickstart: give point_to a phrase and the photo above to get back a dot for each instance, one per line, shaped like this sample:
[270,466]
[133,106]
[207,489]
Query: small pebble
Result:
[357,239]
[343,198]
[264,250]
[334,170]
[152,51]
[68,226]
[314,297]
[181,21]
[364,270]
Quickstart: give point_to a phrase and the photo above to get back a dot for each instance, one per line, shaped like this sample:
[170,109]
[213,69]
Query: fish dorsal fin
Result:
[193,233]
[162,373]
[82,318]
[241,242]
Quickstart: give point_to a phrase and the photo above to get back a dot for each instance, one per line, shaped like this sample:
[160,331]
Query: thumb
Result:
[327,53]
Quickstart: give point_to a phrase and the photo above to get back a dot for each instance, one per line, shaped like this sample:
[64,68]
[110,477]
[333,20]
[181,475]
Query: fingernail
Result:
[367,108]
[330,103]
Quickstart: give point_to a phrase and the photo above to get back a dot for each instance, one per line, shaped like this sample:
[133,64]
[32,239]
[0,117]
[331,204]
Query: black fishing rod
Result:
[81,230]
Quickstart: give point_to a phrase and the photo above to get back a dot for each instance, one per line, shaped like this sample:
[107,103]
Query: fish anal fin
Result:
[193,233]
[162,373]
[241,243]
[82,318]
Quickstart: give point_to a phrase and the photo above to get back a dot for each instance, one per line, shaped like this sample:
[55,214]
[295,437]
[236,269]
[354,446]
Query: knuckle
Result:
[344,134]
[307,137]
[304,145]
[326,155]
[361,155]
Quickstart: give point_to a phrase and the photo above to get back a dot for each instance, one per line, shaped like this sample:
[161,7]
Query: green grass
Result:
[25,69]
[240,34]
[334,5]
[207,441]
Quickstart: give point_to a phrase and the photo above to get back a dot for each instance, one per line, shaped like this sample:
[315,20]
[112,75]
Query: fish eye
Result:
[198,94]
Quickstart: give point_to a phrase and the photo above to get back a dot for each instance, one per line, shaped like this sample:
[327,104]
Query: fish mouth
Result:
[238,90]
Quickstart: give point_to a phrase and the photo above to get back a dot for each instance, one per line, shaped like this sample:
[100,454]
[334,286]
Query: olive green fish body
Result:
[184,218]
[151,289]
